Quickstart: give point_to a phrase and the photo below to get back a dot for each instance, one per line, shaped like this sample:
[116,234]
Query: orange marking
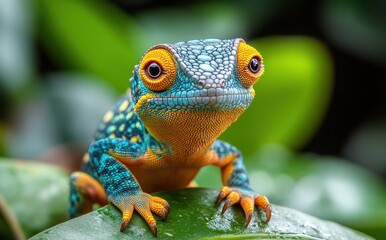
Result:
[223,162]
[225,173]
[192,184]
[92,190]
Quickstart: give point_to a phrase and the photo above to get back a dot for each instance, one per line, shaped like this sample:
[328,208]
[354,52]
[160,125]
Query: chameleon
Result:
[165,129]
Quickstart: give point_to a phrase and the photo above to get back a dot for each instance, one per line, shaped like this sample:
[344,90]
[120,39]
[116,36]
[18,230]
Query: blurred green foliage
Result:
[64,63]
[97,38]
[36,194]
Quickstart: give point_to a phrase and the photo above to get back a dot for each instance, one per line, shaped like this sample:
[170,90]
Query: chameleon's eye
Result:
[154,70]
[249,64]
[158,69]
[254,65]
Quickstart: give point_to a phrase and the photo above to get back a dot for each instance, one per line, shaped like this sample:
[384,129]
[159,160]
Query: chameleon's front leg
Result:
[236,183]
[121,187]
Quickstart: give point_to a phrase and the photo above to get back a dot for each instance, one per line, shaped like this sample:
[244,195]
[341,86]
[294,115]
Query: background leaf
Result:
[37,194]
[92,36]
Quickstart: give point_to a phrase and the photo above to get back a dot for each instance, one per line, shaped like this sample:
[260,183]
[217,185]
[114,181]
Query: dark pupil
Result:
[254,65]
[154,70]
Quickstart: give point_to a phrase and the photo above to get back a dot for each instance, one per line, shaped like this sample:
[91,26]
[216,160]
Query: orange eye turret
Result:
[158,70]
[249,64]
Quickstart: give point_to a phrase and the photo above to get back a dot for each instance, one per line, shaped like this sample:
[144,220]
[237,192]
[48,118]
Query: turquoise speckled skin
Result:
[164,130]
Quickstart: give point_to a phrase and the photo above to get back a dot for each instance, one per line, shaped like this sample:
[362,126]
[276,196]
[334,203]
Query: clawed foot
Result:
[145,205]
[247,202]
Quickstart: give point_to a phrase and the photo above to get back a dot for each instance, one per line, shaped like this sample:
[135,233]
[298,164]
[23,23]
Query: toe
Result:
[248,206]
[146,214]
[233,197]
[161,201]
[224,192]
[159,209]
[263,203]
[126,217]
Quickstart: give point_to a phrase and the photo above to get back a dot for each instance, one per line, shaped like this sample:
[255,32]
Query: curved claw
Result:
[124,224]
[145,212]
[248,206]
[224,192]
[126,217]
[159,209]
[154,229]
[263,203]
[164,203]
[233,197]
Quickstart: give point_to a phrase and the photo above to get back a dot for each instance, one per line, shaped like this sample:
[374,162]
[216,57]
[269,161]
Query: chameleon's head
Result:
[205,78]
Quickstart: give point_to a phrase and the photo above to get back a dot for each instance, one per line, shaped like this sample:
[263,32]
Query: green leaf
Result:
[92,36]
[291,97]
[193,216]
[36,194]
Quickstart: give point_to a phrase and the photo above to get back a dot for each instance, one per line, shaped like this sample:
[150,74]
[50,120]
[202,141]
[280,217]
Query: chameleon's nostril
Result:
[222,83]
[201,83]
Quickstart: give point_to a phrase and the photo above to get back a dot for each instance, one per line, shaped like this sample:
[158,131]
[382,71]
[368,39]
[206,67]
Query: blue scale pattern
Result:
[239,177]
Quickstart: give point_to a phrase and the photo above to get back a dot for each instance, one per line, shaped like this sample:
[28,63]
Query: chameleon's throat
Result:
[189,131]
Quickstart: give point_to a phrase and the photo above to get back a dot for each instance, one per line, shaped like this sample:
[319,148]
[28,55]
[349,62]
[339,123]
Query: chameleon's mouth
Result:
[204,99]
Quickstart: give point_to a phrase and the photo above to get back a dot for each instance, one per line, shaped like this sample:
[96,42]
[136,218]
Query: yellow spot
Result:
[123,106]
[130,115]
[192,184]
[134,139]
[112,136]
[86,158]
[108,116]
[252,91]
[142,100]
[137,125]
[122,127]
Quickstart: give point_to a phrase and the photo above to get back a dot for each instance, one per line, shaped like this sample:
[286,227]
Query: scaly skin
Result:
[159,135]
